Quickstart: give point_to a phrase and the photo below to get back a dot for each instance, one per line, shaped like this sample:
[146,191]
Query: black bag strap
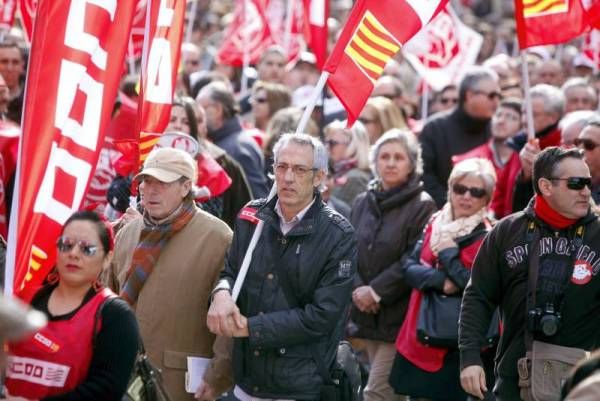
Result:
[97,320]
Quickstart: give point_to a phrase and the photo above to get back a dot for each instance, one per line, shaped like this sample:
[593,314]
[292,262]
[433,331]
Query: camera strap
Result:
[533,237]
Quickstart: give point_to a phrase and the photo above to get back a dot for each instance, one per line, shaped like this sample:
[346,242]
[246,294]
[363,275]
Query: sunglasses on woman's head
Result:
[474,191]
[576,183]
[66,244]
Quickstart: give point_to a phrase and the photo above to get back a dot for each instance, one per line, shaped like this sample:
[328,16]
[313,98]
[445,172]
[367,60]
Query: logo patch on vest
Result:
[46,344]
[345,268]
[249,214]
[582,272]
[36,371]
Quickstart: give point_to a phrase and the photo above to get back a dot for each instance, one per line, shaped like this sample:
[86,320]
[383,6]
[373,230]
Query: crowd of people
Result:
[366,227]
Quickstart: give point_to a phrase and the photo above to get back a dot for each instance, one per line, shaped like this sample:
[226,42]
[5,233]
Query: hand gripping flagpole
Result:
[241,277]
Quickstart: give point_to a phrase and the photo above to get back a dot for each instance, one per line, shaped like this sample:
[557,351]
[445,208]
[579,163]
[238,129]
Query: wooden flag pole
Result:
[528,111]
[191,19]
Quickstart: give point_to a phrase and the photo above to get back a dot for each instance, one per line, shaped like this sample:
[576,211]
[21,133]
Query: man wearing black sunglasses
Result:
[458,130]
[589,142]
[556,237]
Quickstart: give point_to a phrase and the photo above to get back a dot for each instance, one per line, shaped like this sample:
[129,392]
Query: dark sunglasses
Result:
[490,95]
[65,244]
[366,121]
[446,100]
[259,100]
[586,144]
[474,191]
[576,183]
[332,142]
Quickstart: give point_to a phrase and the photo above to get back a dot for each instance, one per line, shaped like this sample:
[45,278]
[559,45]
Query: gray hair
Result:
[220,92]
[476,167]
[409,142]
[358,137]
[553,98]
[320,157]
[579,117]
[578,82]
[472,78]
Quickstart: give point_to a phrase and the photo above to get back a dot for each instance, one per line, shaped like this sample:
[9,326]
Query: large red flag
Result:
[316,14]
[546,22]
[71,86]
[27,10]
[594,14]
[160,61]
[373,34]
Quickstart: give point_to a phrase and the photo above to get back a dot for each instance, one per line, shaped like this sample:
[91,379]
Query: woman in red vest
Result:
[88,348]
[441,262]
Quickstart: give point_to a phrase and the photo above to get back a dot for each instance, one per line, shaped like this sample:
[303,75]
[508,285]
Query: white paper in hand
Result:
[195,372]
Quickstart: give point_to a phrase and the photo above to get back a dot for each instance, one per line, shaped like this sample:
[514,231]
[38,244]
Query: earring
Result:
[97,285]
[53,277]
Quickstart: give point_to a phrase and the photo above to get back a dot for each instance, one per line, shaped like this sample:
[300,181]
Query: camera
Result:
[545,321]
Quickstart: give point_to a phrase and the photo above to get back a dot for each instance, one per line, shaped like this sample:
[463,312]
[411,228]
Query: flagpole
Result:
[11,241]
[239,281]
[131,57]
[528,111]
[425,101]
[287,34]
[313,101]
[246,50]
[190,26]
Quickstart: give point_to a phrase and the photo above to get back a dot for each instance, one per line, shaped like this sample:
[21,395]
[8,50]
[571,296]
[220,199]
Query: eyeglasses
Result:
[586,144]
[576,183]
[298,170]
[259,100]
[507,116]
[446,100]
[65,244]
[490,95]
[366,121]
[332,142]
[474,191]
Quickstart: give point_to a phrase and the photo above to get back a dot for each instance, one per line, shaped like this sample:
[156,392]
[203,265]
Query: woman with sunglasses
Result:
[87,350]
[441,262]
[388,219]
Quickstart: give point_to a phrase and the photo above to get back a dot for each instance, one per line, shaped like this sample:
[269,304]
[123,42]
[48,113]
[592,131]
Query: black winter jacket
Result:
[296,297]
[499,277]
[444,135]
[387,229]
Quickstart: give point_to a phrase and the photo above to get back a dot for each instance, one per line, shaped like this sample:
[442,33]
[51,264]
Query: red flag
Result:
[160,61]
[71,86]
[7,13]
[137,30]
[594,15]
[27,9]
[316,14]
[545,22]
[371,37]
[9,144]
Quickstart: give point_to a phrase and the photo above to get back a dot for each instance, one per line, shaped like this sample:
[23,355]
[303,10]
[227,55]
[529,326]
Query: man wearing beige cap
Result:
[165,265]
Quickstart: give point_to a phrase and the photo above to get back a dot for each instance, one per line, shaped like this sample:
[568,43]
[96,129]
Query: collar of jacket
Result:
[395,197]
[470,124]
[530,212]
[306,226]
[230,126]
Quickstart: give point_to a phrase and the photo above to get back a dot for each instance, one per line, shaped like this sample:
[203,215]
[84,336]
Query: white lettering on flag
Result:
[317,13]
[36,371]
[424,9]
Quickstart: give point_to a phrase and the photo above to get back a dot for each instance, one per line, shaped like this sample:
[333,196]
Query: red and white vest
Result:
[56,359]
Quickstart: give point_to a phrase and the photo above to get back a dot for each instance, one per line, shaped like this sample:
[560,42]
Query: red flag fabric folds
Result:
[7,13]
[71,86]
[374,33]
[316,13]
[546,22]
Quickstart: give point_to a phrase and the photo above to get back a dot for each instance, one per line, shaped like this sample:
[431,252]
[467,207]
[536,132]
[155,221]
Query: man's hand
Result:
[224,317]
[205,392]
[363,299]
[527,157]
[449,287]
[242,331]
[472,380]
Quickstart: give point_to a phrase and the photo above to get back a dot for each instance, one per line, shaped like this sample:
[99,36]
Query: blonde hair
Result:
[358,147]
[388,113]
[476,167]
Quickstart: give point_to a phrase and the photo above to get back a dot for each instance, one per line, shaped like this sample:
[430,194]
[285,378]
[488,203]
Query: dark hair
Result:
[584,369]
[105,232]
[188,105]
[546,161]
[512,103]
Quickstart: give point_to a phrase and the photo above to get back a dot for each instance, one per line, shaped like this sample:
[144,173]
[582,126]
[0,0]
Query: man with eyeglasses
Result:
[561,235]
[589,142]
[292,308]
[458,130]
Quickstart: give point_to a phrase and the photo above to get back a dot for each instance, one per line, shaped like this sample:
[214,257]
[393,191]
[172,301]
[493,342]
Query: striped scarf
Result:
[152,239]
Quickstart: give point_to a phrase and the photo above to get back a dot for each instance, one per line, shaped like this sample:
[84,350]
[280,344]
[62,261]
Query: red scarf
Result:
[550,216]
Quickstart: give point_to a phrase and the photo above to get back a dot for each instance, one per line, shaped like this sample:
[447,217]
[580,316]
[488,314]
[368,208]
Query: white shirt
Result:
[285,226]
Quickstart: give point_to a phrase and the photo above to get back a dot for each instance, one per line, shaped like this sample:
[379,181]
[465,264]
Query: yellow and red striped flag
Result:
[374,33]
